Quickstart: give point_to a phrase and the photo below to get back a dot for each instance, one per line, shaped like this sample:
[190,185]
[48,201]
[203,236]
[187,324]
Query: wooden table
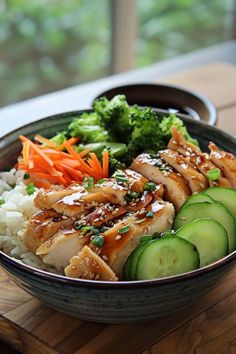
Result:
[208,326]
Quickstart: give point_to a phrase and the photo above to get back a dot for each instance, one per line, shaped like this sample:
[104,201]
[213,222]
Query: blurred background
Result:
[47,45]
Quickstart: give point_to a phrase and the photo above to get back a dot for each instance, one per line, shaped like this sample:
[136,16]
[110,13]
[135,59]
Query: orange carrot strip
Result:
[74,173]
[45,158]
[85,151]
[45,141]
[96,163]
[71,142]
[25,152]
[105,163]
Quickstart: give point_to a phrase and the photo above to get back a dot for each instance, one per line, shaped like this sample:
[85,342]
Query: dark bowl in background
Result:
[108,302]
[167,97]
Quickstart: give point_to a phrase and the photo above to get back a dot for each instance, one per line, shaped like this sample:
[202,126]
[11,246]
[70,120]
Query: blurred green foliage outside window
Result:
[47,45]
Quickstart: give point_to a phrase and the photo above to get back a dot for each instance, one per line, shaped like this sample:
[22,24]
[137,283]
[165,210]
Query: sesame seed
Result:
[105,257]
[118,237]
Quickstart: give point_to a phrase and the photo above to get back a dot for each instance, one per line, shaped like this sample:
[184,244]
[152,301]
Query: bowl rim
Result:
[44,275]
[206,101]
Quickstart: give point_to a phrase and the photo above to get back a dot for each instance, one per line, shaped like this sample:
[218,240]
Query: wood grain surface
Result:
[207,327]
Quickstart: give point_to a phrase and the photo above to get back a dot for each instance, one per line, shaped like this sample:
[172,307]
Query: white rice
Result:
[14,213]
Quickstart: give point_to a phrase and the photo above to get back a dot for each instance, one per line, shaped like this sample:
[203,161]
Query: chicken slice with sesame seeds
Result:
[124,237]
[45,199]
[192,152]
[58,250]
[154,168]
[42,226]
[225,161]
[89,265]
[197,182]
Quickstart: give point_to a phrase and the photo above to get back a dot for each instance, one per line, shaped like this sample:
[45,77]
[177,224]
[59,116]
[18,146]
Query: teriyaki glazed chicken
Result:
[121,195]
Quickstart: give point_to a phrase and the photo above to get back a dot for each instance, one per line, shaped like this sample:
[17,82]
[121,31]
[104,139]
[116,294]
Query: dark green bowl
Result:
[121,302]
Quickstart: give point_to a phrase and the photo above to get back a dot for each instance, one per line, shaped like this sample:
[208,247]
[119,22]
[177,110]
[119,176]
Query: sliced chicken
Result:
[225,161]
[193,153]
[88,265]
[45,199]
[103,214]
[42,226]
[197,182]
[58,250]
[154,168]
[119,244]
[204,164]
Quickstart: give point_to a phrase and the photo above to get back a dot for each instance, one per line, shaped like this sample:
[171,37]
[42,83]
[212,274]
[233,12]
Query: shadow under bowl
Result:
[108,302]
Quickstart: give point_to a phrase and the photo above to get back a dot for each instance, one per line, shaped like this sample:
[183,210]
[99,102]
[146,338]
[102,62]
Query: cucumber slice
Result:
[126,268]
[209,237]
[197,198]
[165,257]
[227,196]
[214,210]
[134,260]
[129,270]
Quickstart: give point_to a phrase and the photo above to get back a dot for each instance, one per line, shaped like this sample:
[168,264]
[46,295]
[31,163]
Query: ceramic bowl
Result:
[107,302]
[168,97]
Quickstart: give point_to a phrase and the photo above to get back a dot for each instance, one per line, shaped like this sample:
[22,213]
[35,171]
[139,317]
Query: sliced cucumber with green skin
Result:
[165,257]
[130,264]
[227,196]
[215,211]
[134,259]
[126,268]
[197,198]
[209,237]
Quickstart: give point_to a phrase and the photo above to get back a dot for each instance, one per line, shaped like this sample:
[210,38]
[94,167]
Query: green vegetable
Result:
[88,183]
[98,241]
[77,225]
[114,116]
[30,188]
[91,229]
[59,139]
[100,181]
[149,187]
[124,229]
[146,133]
[145,238]
[214,174]
[116,149]
[89,128]
[149,214]
[2,201]
[166,124]
[104,229]
[26,176]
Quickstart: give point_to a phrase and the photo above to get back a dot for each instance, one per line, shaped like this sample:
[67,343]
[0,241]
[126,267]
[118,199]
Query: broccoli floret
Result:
[88,127]
[114,164]
[168,122]
[146,133]
[59,139]
[115,117]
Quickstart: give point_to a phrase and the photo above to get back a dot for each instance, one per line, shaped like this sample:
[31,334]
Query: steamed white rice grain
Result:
[18,207]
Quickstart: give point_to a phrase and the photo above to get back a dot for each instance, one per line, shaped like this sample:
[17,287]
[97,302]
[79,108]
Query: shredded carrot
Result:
[41,139]
[47,164]
[105,163]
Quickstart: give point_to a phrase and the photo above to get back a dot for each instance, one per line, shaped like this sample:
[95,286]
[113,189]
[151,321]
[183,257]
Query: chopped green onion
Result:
[149,214]
[149,187]
[98,241]
[104,229]
[2,201]
[88,182]
[121,179]
[214,174]
[91,229]
[100,181]
[145,238]
[140,221]
[26,176]
[77,225]
[134,195]
[30,188]
[124,229]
